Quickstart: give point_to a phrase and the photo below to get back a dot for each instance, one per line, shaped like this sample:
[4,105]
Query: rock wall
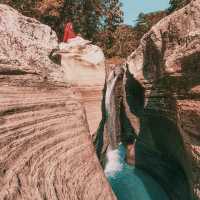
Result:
[84,70]
[26,42]
[46,150]
[167,64]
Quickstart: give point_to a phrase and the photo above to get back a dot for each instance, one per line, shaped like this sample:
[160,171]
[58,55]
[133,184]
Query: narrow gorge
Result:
[74,127]
[156,100]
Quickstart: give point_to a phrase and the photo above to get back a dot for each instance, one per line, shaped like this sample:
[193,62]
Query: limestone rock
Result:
[84,63]
[46,151]
[167,64]
[27,44]
[84,69]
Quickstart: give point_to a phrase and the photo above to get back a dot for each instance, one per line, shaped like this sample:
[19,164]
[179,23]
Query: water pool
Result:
[130,183]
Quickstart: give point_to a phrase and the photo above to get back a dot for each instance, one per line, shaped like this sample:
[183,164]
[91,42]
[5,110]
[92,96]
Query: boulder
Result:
[26,45]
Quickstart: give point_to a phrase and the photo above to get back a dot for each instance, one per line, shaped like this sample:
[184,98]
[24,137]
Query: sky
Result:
[132,8]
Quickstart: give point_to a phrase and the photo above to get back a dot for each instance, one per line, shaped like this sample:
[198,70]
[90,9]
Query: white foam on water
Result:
[113,164]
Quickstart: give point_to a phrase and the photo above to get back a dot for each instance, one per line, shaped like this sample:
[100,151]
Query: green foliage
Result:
[125,39]
[146,21]
[96,20]
[177,4]
[112,18]
[113,14]
[122,41]
[141,20]
[88,16]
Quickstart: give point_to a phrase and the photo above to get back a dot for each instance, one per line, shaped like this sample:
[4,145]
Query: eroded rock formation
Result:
[84,70]
[46,150]
[26,42]
[167,64]
[160,105]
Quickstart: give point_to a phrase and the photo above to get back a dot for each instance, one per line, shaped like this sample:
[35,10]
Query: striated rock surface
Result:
[84,69]
[167,64]
[46,150]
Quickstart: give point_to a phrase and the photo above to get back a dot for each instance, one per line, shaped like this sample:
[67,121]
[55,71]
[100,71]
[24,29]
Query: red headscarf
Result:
[68,32]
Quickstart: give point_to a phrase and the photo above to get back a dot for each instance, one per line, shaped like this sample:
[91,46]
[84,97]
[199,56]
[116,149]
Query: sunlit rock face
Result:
[84,63]
[84,69]
[167,64]
[26,43]
[46,150]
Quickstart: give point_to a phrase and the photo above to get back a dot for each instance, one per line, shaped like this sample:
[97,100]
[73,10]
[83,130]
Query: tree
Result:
[177,4]
[112,13]
[125,41]
[96,20]
[88,16]
[85,15]
[146,21]
[111,19]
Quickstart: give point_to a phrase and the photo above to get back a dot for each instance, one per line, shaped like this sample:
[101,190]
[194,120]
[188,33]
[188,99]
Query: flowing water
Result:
[129,183]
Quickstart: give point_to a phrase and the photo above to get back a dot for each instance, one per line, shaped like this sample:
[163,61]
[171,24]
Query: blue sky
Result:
[132,8]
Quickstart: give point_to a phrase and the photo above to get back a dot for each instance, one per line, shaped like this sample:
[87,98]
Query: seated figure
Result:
[68,32]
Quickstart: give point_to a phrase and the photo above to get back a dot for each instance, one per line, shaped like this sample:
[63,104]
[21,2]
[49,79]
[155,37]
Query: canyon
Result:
[158,103]
[56,99]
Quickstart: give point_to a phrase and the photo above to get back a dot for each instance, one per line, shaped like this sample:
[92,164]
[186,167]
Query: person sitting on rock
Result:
[68,32]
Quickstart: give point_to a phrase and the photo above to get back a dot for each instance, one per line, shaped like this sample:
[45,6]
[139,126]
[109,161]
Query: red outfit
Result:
[68,32]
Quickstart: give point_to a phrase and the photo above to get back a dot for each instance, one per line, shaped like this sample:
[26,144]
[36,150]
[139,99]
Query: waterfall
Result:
[110,106]
[114,163]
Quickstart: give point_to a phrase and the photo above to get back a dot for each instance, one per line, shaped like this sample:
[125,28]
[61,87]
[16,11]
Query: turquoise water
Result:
[133,184]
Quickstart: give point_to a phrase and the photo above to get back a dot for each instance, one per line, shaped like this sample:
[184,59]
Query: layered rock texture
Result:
[46,150]
[84,70]
[167,64]
[155,101]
